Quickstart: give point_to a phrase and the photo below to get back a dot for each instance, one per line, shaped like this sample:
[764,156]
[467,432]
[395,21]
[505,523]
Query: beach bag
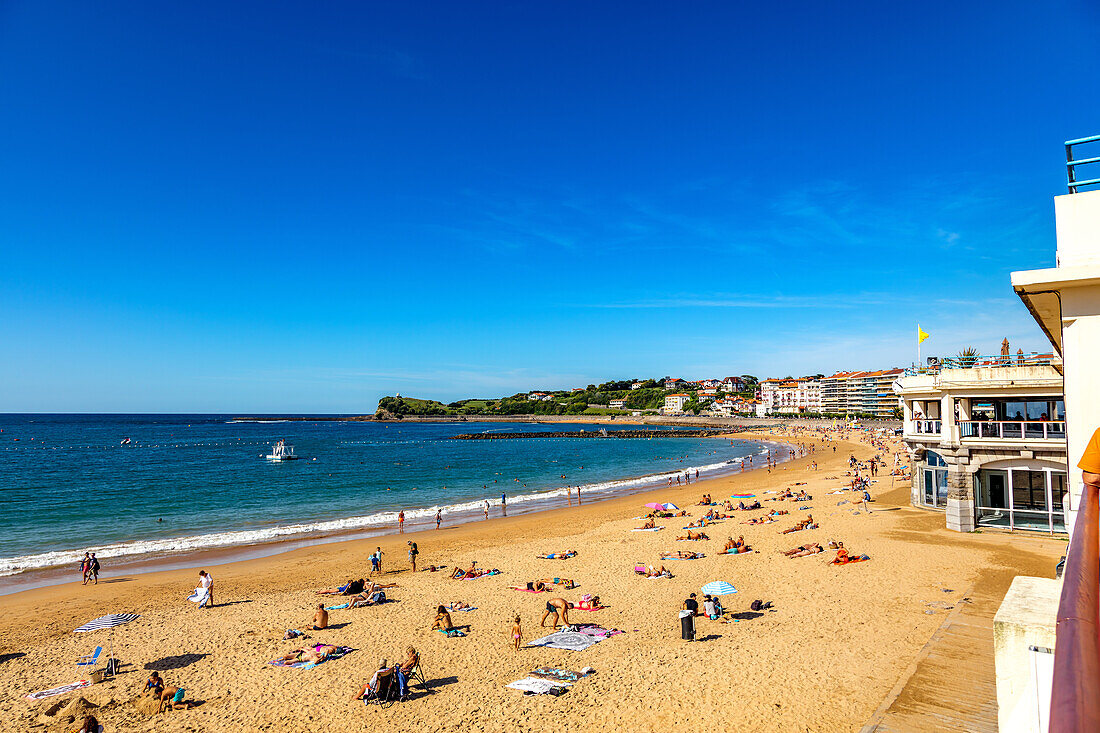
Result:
[756,605]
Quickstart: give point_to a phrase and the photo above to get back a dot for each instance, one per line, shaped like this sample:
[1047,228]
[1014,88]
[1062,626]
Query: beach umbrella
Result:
[719,588]
[109,621]
[670,507]
[655,506]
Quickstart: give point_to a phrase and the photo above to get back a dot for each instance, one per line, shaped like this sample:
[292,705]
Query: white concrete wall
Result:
[1081,354]
[1026,618]
[1078,223]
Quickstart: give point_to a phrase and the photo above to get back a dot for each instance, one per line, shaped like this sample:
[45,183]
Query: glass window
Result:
[1057,489]
[941,487]
[1038,411]
[1029,490]
[933,459]
[929,489]
[1058,410]
[1014,410]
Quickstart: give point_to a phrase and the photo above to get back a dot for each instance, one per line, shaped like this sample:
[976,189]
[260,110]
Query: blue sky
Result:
[267,207]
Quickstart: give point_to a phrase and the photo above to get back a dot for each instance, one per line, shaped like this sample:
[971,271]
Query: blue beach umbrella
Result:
[670,507]
[718,588]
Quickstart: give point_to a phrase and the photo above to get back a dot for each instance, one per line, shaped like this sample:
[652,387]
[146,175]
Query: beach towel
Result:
[654,529]
[571,640]
[200,596]
[537,685]
[701,555]
[561,675]
[337,608]
[53,692]
[750,551]
[341,651]
[531,590]
[861,558]
[452,610]
[596,630]
[451,632]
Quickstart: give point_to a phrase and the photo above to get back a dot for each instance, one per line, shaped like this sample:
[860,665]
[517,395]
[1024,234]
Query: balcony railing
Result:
[936,364]
[1074,702]
[1019,429]
[926,427]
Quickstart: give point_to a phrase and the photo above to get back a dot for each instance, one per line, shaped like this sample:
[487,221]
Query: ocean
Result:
[187,483]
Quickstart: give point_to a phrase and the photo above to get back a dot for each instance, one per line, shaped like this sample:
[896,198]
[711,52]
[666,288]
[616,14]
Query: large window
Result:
[1021,498]
[934,478]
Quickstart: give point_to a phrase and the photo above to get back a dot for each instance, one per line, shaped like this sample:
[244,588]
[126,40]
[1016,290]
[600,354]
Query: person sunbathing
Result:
[802,550]
[345,589]
[316,655]
[649,524]
[736,547]
[433,568]
[535,586]
[777,513]
[558,555]
[807,523]
[412,658]
[372,685]
[655,573]
[567,582]
[590,603]
[759,520]
[693,536]
[442,620]
[320,619]
[841,554]
[460,605]
[681,555]
[471,572]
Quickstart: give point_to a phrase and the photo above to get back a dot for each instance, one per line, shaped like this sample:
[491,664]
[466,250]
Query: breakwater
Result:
[598,434]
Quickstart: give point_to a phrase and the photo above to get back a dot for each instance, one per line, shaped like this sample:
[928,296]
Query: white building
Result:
[788,397]
[537,396]
[732,384]
[676,402]
[673,383]
[706,395]
[618,404]
[636,385]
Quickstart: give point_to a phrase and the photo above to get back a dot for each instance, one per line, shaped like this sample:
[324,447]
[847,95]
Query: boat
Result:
[125,441]
[281,452]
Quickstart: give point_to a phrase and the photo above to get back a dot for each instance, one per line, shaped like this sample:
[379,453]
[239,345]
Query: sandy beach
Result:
[822,660]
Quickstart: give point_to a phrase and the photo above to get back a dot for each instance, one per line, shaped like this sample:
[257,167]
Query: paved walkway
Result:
[951,685]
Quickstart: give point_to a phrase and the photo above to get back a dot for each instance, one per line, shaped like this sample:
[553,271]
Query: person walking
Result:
[93,568]
[438,517]
[413,552]
[206,582]
[866,498]
[486,509]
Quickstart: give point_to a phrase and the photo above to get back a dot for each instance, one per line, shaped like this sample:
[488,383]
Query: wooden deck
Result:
[951,685]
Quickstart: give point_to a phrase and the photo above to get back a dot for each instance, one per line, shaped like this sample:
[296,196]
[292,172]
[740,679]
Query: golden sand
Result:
[836,643]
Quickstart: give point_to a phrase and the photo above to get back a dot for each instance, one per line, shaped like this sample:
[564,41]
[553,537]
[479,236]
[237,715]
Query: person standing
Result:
[503,503]
[486,509]
[401,521]
[413,552]
[866,498]
[93,568]
[206,582]
[85,568]
[438,517]
[517,634]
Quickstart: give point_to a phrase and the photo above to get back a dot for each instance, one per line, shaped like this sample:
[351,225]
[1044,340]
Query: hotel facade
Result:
[987,441]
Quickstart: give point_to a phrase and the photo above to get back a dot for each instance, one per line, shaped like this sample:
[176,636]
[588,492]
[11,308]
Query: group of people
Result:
[89,569]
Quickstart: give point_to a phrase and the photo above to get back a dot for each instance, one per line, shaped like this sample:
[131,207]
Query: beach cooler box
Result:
[687,626]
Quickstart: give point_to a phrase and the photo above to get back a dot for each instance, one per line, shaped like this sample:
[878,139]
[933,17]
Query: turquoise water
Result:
[193,482]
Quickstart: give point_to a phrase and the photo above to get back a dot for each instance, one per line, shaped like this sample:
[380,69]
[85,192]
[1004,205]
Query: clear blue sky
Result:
[267,207]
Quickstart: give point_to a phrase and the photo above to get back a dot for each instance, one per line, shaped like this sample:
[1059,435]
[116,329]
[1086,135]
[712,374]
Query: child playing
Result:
[517,634]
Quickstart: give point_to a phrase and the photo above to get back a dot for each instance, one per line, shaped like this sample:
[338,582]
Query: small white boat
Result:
[281,452]
[125,441]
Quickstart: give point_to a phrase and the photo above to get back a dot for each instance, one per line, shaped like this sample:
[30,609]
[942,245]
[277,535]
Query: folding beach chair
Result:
[89,660]
[417,675]
[385,692]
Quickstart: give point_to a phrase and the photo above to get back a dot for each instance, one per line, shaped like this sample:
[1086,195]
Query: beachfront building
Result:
[860,393]
[790,397]
[1065,302]
[834,393]
[617,404]
[675,402]
[987,440]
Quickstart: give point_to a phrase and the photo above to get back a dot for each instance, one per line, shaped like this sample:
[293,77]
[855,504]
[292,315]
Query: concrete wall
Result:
[1077,219]
[1026,618]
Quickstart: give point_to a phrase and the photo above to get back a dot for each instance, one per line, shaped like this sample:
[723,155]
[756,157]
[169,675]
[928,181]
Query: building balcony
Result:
[1013,430]
[924,428]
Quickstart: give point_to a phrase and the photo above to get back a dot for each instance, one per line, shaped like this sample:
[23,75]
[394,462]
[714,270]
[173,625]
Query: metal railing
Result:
[1074,702]
[925,427]
[937,364]
[1071,164]
[1036,429]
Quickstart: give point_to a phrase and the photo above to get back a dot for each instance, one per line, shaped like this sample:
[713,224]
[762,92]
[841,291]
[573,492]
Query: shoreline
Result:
[543,501]
[832,621]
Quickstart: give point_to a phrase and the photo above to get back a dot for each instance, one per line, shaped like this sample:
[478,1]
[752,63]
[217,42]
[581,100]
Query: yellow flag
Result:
[921,335]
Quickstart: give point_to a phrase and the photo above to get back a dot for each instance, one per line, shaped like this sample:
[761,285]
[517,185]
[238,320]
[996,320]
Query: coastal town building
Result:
[789,397]
[636,385]
[709,383]
[539,397]
[732,384]
[617,404]
[673,383]
[706,395]
[860,393]
[834,393]
[987,440]
[675,402]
